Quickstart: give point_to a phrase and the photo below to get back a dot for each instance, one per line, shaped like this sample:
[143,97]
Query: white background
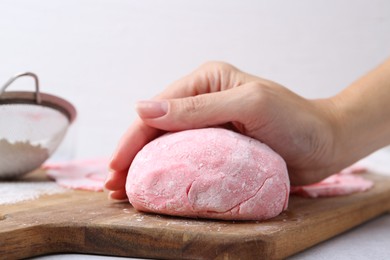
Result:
[103,56]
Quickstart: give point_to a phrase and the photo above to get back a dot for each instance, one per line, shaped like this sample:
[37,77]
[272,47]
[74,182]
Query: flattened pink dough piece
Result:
[79,175]
[343,183]
[209,173]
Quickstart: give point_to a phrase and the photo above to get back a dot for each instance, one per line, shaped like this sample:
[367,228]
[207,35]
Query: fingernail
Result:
[151,109]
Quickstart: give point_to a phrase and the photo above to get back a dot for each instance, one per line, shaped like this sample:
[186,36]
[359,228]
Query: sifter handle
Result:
[9,82]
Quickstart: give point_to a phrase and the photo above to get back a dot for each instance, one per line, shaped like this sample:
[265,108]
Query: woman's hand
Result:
[304,132]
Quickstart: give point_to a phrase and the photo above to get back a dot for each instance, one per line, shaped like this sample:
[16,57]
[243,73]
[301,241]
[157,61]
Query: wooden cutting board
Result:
[86,222]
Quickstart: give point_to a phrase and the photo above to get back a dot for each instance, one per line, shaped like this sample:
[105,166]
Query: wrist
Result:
[359,129]
[338,137]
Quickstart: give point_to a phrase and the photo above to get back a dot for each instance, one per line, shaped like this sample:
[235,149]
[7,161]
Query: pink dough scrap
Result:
[79,174]
[344,183]
[209,173]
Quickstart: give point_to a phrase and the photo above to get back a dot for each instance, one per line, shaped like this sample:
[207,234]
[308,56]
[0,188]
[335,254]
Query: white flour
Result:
[15,191]
[19,158]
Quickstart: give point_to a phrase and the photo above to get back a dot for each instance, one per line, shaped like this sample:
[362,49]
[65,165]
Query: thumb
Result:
[211,109]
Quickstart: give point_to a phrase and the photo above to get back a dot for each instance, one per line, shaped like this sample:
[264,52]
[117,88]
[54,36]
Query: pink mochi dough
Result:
[209,173]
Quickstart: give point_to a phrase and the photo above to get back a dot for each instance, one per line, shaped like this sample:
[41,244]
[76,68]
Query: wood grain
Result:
[86,222]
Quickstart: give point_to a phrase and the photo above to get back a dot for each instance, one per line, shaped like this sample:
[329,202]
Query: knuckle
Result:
[217,65]
[256,92]
[218,75]
[191,105]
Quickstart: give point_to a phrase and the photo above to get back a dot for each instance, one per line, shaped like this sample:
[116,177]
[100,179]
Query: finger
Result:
[119,195]
[115,180]
[209,77]
[134,139]
[233,105]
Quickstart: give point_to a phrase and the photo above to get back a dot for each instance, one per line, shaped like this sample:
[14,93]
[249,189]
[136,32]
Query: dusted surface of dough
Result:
[209,173]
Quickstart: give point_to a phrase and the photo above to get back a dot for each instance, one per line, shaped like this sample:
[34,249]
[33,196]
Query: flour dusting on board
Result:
[17,191]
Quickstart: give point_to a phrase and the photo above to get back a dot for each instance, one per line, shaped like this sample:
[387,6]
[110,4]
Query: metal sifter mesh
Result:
[32,125]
